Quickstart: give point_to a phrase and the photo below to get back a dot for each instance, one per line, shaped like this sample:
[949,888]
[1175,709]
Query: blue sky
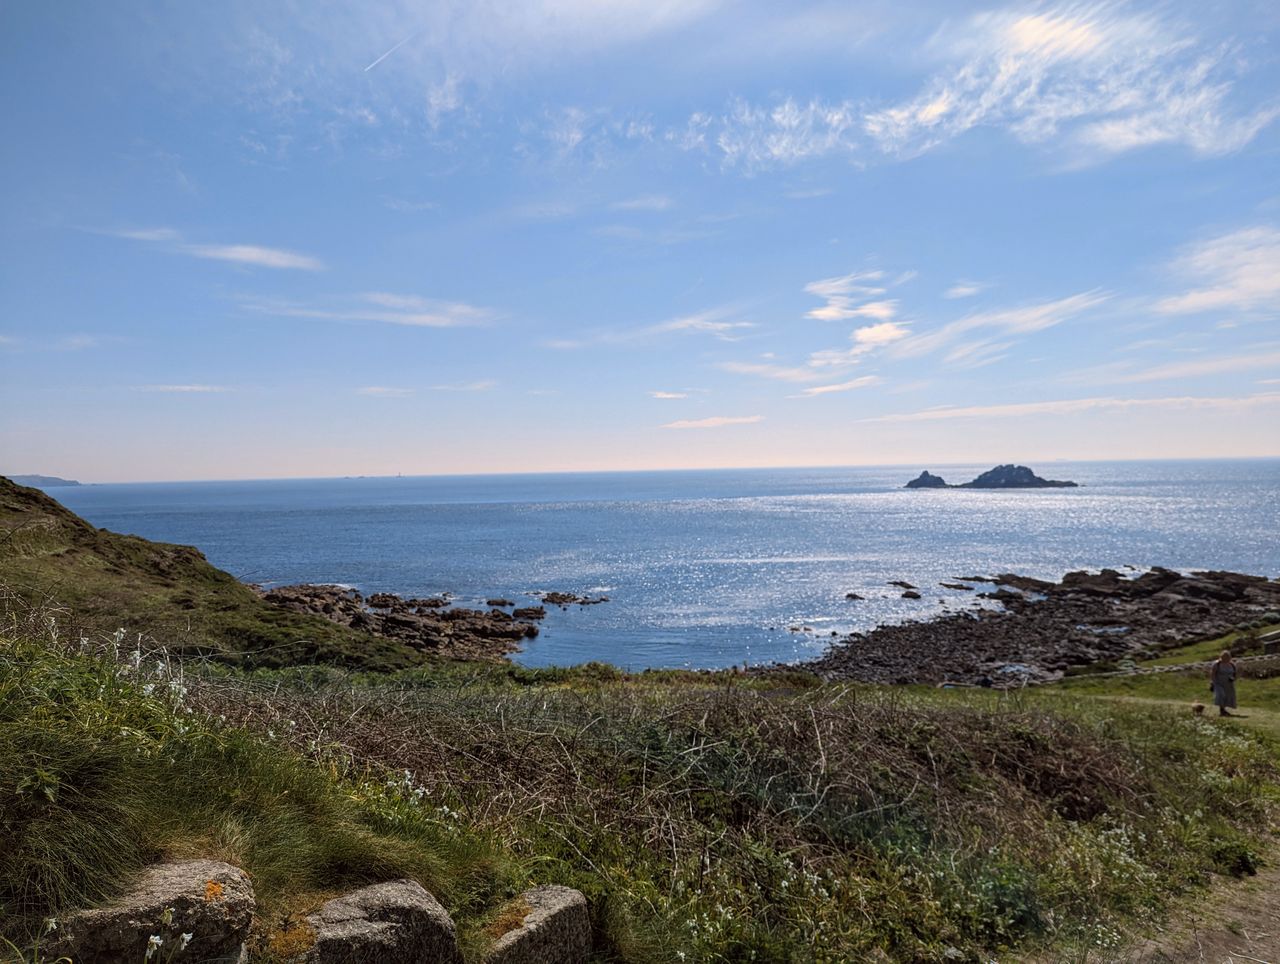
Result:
[267,239]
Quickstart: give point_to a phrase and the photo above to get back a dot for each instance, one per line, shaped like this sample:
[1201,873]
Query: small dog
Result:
[1197,709]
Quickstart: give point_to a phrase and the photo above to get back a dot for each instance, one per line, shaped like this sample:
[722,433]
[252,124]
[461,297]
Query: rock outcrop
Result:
[1001,477]
[395,921]
[428,625]
[555,929]
[194,910]
[927,480]
[1041,628]
[1013,477]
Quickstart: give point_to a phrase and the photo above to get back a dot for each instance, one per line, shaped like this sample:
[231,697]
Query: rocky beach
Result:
[1046,628]
[433,625]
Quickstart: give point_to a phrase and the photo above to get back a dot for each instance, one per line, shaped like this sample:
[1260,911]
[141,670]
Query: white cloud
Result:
[848,296]
[254,255]
[183,389]
[668,395]
[392,309]
[1076,405]
[382,391]
[882,334]
[1203,366]
[716,421]
[407,205]
[863,382]
[1093,76]
[480,386]
[648,202]
[1239,271]
[1009,321]
[147,234]
[712,321]
[781,373]
[250,254]
[964,289]
[760,137]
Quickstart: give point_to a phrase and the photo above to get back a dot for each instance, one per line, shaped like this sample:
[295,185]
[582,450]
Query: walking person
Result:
[1222,681]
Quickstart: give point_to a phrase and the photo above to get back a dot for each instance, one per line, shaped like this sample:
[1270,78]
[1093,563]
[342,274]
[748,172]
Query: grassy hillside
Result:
[707,817]
[51,557]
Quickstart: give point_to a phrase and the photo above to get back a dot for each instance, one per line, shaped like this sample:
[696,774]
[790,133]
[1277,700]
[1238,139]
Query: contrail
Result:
[389,52]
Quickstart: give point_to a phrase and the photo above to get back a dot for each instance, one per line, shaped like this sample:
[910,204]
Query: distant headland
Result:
[1001,477]
[42,481]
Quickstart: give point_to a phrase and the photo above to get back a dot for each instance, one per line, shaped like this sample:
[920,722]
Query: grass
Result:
[706,816]
[169,592]
[104,767]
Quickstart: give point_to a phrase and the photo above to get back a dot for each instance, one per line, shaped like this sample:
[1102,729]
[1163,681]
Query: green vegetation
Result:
[48,554]
[704,815]
[707,817]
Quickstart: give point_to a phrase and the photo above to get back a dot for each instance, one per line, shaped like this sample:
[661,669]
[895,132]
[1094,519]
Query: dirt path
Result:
[1237,922]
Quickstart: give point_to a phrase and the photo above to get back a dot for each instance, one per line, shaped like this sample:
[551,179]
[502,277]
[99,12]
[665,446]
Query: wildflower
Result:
[153,945]
[50,924]
[184,940]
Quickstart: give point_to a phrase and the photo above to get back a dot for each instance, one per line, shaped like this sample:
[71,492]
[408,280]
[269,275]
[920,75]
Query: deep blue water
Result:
[707,568]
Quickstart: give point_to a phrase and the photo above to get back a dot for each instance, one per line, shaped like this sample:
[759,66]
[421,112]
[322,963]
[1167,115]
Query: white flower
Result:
[153,945]
[184,940]
[50,924]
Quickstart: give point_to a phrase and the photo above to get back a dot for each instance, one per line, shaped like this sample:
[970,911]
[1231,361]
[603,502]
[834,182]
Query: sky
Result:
[268,239]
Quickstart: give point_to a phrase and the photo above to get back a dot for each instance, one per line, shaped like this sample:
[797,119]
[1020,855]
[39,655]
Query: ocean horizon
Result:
[707,568]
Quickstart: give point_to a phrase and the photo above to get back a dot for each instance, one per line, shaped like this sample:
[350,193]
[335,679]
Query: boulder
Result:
[555,929]
[204,907]
[395,921]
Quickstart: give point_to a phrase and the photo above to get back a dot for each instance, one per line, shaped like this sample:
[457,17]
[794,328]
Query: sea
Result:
[708,568]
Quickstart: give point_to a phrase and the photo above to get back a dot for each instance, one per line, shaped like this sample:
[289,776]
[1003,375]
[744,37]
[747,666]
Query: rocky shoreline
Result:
[1045,628]
[433,624]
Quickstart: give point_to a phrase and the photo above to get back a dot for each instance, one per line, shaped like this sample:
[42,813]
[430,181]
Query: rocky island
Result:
[1001,477]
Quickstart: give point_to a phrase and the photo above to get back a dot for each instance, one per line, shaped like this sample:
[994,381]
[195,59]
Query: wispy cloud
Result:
[383,391]
[781,373]
[714,321]
[715,421]
[145,234]
[483,385]
[408,205]
[864,382]
[965,289]
[1261,358]
[854,295]
[647,202]
[1008,321]
[722,322]
[379,306]
[668,395]
[1237,272]
[248,254]
[1095,76]
[1094,79]
[254,255]
[790,131]
[1076,405]
[183,389]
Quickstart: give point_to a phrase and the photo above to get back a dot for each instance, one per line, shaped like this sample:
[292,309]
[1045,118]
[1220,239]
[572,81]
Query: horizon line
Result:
[730,468]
